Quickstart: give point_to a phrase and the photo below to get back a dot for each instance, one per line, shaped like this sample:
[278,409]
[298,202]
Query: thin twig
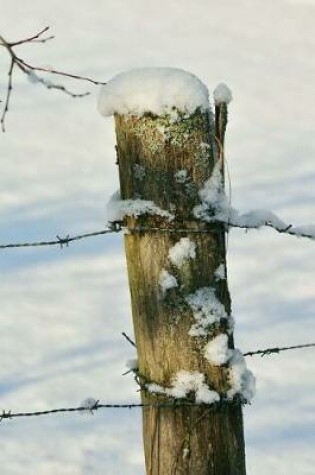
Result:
[30,70]
[34,38]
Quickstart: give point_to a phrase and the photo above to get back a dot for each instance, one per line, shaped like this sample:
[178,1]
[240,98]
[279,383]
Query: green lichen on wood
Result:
[155,147]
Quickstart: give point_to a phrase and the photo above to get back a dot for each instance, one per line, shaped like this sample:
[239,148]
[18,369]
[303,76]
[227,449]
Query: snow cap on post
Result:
[222,94]
[153,90]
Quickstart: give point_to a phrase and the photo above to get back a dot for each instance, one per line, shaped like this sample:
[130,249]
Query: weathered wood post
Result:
[180,298]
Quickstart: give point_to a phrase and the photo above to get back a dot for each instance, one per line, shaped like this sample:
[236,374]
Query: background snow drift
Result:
[62,311]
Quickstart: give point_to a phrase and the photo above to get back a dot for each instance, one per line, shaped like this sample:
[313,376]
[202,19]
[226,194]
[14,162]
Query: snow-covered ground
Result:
[63,311]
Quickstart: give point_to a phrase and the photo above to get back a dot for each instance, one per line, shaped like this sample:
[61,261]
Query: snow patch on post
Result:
[216,351]
[183,384]
[207,310]
[241,379]
[183,250]
[167,281]
[117,209]
[214,202]
[154,90]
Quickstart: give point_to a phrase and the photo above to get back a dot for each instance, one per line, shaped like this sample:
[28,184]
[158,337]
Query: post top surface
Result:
[155,90]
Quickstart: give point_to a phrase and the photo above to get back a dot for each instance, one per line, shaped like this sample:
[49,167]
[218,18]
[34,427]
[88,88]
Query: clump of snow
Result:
[89,404]
[215,207]
[241,379]
[117,209]
[167,281]
[155,90]
[222,93]
[207,310]
[183,250]
[216,351]
[183,384]
[219,273]
[181,176]
[132,364]
[214,203]
[257,218]
[305,229]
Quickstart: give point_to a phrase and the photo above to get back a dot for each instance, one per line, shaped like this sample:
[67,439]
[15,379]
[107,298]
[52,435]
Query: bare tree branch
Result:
[31,70]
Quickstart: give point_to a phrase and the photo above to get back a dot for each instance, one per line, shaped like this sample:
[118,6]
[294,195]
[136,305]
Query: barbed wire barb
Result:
[129,339]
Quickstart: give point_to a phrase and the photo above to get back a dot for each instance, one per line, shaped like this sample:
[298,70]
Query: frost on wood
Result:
[207,310]
[155,90]
[222,94]
[183,250]
[117,209]
[241,379]
[167,281]
[184,384]
[216,350]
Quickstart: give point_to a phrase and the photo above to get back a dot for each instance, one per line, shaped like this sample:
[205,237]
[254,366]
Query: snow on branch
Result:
[32,71]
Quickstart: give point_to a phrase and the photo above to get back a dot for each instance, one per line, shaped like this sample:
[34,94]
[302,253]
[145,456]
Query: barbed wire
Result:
[266,351]
[117,226]
[174,403]
[31,71]
[276,350]
[290,229]
[64,242]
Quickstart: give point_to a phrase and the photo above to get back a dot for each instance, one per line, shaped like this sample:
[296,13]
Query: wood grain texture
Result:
[167,161]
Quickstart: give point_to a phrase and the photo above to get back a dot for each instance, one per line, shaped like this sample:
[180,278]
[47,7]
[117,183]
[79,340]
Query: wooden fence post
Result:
[172,265]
